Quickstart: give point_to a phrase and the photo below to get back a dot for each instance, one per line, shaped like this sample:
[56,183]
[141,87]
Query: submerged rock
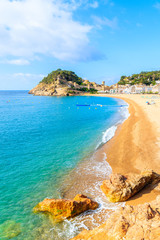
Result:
[9,229]
[61,208]
[119,188]
[129,223]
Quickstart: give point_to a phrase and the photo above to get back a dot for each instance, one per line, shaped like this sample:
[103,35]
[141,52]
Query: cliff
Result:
[63,83]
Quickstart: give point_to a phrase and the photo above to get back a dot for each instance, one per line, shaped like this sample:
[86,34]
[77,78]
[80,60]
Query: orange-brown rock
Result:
[61,208]
[43,89]
[119,188]
[141,222]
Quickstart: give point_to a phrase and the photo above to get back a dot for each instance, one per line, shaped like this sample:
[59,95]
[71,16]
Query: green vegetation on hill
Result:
[146,78]
[84,89]
[64,75]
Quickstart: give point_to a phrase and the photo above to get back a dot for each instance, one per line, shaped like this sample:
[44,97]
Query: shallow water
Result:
[42,139]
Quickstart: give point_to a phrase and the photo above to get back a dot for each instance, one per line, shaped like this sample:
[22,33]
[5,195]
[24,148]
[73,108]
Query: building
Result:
[156,88]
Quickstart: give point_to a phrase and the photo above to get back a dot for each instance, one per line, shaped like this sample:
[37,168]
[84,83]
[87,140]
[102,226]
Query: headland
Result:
[65,83]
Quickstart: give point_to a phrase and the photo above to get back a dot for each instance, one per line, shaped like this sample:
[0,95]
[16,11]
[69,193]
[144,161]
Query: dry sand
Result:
[136,145]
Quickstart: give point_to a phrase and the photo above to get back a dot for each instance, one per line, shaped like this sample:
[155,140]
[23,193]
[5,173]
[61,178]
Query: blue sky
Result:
[98,40]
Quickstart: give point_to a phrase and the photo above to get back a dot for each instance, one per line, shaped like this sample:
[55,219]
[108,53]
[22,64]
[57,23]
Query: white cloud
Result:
[99,22]
[29,28]
[26,75]
[16,61]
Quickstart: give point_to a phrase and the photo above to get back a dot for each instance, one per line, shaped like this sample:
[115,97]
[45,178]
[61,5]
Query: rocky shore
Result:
[134,149]
[129,222]
[120,188]
[60,209]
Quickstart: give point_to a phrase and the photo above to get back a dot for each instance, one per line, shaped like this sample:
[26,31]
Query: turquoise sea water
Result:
[41,140]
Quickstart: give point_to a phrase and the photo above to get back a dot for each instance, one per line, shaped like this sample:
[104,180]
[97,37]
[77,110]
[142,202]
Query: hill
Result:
[62,75]
[62,83]
[146,78]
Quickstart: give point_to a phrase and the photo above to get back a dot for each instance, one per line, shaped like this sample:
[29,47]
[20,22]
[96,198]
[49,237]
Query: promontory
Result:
[65,83]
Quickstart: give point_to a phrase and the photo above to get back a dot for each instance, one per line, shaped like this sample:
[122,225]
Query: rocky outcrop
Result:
[60,208]
[119,188]
[64,83]
[129,223]
[43,89]
[9,229]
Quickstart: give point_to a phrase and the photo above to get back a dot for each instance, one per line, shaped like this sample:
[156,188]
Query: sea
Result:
[42,141]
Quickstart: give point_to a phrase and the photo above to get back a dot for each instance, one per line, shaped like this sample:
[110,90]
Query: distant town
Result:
[145,82]
[128,89]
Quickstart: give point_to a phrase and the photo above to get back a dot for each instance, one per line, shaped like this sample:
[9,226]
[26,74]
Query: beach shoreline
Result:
[133,148]
[135,145]
[87,177]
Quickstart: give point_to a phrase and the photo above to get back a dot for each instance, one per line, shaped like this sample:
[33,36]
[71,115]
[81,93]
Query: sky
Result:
[98,40]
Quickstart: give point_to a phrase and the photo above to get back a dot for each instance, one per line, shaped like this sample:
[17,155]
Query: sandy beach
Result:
[136,144]
[135,147]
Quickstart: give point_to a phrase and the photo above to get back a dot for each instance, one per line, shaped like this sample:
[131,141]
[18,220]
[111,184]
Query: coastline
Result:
[134,147]
[136,143]
[87,177]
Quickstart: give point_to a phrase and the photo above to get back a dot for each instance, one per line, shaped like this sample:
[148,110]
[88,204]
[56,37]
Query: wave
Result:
[110,132]
[124,114]
[92,218]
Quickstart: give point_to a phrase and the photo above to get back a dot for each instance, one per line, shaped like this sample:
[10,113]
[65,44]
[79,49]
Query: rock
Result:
[43,89]
[61,208]
[129,223]
[119,188]
[9,229]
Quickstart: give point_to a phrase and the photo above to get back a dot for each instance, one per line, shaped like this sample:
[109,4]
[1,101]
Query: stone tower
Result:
[103,85]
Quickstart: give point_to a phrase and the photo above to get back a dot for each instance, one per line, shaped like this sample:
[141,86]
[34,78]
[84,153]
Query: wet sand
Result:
[86,179]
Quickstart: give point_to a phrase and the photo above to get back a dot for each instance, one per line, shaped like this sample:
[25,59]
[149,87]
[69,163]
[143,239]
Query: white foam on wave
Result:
[124,114]
[107,135]
[110,132]
[102,168]
[93,218]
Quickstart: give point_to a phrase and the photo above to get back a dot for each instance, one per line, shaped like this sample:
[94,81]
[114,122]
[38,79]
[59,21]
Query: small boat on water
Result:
[83,105]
